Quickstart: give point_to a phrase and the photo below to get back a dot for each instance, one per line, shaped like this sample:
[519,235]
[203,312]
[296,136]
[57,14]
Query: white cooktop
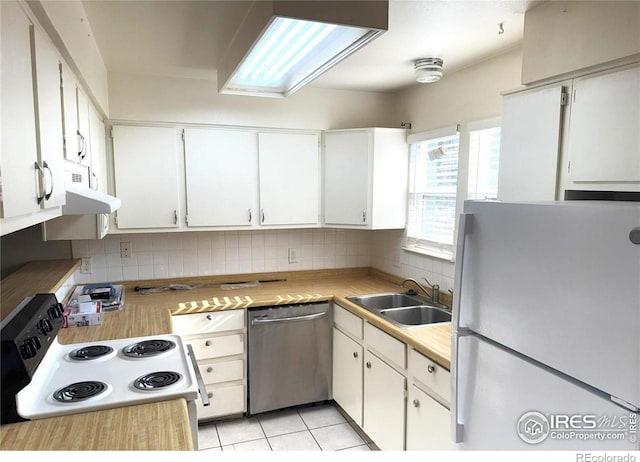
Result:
[115,370]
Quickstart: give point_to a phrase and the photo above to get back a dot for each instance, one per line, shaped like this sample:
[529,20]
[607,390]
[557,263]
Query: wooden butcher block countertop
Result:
[150,314]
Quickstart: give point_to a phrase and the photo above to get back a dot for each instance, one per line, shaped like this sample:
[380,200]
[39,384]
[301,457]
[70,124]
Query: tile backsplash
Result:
[387,255]
[175,255]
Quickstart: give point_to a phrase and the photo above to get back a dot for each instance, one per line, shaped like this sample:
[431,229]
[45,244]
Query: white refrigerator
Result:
[546,326]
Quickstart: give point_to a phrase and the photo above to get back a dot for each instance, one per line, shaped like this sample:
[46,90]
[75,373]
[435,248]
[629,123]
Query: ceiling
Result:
[186,38]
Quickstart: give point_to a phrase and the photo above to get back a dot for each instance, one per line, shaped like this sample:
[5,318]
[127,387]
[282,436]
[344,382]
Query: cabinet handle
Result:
[175,217]
[97,181]
[368,365]
[48,195]
[210,395]
[39,169]
[262,213]
[430,369]
[355,354]
[207,343]
[416,403]
[83,150]
[209,369]
[209,317]
[364,216]
[249,215]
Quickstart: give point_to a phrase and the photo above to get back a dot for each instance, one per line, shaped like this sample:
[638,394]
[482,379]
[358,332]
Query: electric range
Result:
[43,378]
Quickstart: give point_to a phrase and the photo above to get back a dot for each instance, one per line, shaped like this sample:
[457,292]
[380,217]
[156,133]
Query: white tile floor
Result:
[306,428]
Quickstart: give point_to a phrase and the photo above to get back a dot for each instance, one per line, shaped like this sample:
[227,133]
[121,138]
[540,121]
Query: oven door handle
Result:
[202,389]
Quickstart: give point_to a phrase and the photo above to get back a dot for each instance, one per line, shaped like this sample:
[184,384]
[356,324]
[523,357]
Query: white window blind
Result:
[432,192]
[484,157]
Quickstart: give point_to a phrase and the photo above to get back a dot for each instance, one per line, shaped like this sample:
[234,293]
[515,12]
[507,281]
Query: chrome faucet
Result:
[435,289]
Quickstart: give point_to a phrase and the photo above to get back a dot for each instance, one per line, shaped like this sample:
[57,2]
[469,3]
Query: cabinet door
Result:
[384,404]
[347,375]
[346,178]
[529,145]
[72,145]
[49,120]
[98,178]
[20,182]
[428,423]
[84,131]
[222,177]
[604,144]
[146,176]
[289,178]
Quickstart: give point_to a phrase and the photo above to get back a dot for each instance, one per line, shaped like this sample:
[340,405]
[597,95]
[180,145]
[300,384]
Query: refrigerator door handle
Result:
[464,226]
[457,427]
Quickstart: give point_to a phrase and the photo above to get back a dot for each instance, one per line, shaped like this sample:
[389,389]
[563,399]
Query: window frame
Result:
[443,252]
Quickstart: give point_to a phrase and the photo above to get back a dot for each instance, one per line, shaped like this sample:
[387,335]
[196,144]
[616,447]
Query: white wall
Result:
[465,96]
[145,98]
[176,255]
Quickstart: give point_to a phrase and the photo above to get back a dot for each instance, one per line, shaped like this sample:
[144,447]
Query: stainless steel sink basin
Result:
[378,302]
[415,315]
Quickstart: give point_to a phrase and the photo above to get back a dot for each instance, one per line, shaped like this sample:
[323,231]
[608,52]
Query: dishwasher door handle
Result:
[201,386]
[307,317]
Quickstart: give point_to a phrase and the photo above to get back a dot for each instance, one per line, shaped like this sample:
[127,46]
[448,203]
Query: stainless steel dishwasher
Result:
[289,355]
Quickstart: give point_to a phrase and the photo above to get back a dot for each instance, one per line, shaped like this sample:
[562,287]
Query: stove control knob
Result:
[27,350]
[44,326]
[35,342]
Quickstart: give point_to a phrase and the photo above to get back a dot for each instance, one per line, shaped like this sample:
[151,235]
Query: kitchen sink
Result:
[379,302]
[415,315]
[402,310]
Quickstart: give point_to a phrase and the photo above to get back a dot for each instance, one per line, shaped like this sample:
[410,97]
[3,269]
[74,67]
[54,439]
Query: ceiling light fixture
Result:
[428,70]
[283,45]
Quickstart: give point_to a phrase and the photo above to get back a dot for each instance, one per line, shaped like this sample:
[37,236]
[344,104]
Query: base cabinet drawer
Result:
[217,347]
[218,372]
[224,401]
[431,374]
[204,323]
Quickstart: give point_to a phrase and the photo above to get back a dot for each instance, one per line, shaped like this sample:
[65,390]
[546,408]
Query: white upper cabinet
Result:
[31,156]
[365,178]
[530,145]
[604,145]
[221,168]
[146,176]
[49,120]
[19,155]
[72,144]
[289,166]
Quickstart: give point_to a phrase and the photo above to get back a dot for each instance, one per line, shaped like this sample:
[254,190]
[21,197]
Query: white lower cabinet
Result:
[383,408]
[398,396]
[347,375]
[219,344]
[428,422]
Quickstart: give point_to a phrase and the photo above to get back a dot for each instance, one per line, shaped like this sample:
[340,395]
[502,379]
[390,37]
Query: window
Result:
[432,191]
[484,155]
[436,187]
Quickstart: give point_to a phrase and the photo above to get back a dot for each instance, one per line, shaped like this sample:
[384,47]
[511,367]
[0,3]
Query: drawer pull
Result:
[430,369]
[355,354]
[416,403]
[209,317]
[209,369]
[208,343]
[210,395]
[368,365]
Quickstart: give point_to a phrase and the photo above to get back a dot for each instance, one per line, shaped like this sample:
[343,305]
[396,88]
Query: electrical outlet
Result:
[85,265]
[397,259]
[293,255]
[125,250]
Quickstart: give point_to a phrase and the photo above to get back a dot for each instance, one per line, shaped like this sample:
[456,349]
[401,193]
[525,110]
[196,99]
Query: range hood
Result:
[82,200]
